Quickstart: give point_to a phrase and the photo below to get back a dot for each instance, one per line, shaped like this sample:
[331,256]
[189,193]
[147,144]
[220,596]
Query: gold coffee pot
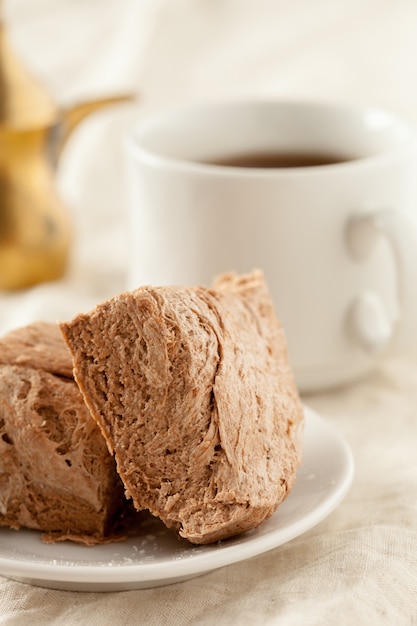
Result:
[35,230]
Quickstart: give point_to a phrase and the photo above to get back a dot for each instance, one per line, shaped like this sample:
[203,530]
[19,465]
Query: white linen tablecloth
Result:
[359,566]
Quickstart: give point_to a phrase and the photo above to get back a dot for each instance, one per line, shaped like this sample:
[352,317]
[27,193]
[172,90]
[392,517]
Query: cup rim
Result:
[157,159]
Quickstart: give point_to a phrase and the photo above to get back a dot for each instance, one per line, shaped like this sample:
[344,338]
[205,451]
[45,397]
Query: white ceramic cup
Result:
[337,242]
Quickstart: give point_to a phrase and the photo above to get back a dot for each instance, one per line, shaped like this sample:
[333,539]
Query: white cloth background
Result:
[359,566]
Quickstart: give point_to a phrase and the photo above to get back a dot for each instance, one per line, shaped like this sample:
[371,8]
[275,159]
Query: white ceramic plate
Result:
[156,557]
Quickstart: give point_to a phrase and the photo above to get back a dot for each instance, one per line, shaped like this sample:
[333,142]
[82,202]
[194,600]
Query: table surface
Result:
[359,565]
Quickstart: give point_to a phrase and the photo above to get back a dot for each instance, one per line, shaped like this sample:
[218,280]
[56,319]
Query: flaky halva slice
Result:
[194,394]
[56,473]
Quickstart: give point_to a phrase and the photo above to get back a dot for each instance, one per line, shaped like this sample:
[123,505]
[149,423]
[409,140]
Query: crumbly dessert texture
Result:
[193,392]
[56,472]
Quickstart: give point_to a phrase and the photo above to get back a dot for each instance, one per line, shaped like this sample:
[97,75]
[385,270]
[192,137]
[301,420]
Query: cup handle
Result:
[368,319]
